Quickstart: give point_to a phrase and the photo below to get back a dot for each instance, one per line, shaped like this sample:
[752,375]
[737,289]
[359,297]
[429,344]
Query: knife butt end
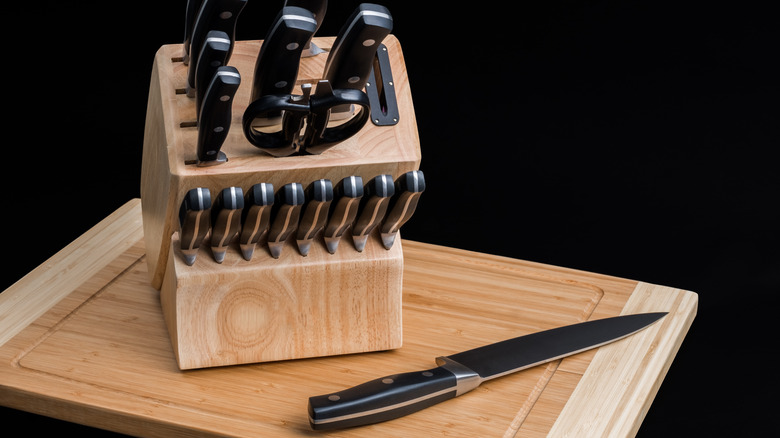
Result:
[360,242]
[332,244]
[388,239]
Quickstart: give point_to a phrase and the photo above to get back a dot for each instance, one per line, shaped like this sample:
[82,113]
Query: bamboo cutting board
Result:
[82,338]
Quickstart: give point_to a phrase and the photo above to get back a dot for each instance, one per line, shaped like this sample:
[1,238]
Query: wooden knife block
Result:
[268,309]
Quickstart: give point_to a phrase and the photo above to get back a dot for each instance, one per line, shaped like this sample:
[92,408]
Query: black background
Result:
[636,139]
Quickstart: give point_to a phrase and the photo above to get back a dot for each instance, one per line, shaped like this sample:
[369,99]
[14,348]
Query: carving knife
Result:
[194,221]
[397,395]
[372,209]
[319,195]
[351,58]
[255,218]
[216,115]
[318,8]
[285,215]
[218,15]
[190,14]
[346,197]
[408,188]
[225,220]
[213,55]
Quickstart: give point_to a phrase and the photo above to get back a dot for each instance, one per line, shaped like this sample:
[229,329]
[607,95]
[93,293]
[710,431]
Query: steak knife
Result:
[373,207]
[255,217]
[408,188]
[397,395]
[319,195]
[219,15]
[216,115]
[318,8]
[225,220]
[194,222]
[346,199]
[213,55]
[285,215]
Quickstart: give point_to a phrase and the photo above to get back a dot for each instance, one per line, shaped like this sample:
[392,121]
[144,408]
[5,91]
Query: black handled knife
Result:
[285,215]
[194,222]
[225,220]
[216,115]
[319,195]
[401,394]
[255,217]
[373,207]
[220,15]
[213,55]
[346,199]
[190,14]
[318,8]
[408,188]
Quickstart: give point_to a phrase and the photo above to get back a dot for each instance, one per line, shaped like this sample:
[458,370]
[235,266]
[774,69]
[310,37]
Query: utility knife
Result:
[255,217]
[319,195]
[213,15]
[346,199]
[225,220]
[408,188]
[216,115]
[318,8]
[397,395]
[372,209]
[285,215]
[213,55]
[194,222]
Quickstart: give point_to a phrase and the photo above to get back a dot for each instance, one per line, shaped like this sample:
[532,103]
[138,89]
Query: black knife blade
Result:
[255,217]
[346,199]
[401,394]
[285,215]
[318,8]
[372,209]
[319,195]
[220,15]
[225,220]
[194,222]
[216,115]
[408,188]
[213,55]
[190,14]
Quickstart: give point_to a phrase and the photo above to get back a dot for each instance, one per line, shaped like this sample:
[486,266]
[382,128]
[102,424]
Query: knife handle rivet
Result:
[387,381]
[369,42]
[225,15]
[427,373]
[334,397]
[292,46]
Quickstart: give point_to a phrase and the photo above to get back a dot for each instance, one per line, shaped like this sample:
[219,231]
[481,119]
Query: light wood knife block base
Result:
[269,309]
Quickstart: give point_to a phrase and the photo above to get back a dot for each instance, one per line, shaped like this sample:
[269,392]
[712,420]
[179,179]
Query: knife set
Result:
[272,234]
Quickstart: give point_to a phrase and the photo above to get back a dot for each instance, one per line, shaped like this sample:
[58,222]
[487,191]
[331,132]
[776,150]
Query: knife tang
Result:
[351,58]
[225,220]
[372,209]
[213,55]
[408,189]
[190,14]
[255,217]
[216,115]
[285,216]
[277,64]
[346,197]
[319,195]
[194,222]
[218,15]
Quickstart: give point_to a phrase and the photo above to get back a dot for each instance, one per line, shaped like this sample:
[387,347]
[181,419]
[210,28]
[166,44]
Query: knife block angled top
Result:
[268,309]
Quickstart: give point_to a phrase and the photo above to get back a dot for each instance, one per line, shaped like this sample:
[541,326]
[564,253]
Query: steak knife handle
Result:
[382,399]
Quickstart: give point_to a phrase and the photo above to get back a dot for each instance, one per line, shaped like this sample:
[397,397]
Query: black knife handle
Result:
[346,196]
[319,195]
[277,64]
[190,14]
[316,7]
[382,399]
[219,15]
[408,188]
[212,56]
[352,55]
[194,221]
[285,216]
[216,115]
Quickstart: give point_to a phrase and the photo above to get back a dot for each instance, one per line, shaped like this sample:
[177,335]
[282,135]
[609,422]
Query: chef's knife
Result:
[213,15]
[213,55]
[277,64]
[346,199]
[351,58]
[318,8]
[215,116]
[408,188]
[225,220]
[319,195]
[194,221]
[190,14]
[401,394]
[285,215]
[255,217]
[373,207]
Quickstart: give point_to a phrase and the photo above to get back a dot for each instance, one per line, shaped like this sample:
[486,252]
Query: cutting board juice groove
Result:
[268,309]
